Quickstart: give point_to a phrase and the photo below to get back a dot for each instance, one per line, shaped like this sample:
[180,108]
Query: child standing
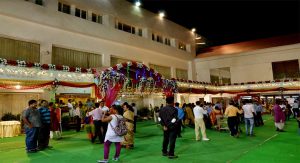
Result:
[111,136]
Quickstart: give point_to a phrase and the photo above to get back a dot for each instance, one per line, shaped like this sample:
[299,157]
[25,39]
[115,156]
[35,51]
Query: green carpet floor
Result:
[267,146]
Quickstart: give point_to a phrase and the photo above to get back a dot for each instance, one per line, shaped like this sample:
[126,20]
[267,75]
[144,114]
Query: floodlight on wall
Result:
[193,30]
[138,3]
[161,14]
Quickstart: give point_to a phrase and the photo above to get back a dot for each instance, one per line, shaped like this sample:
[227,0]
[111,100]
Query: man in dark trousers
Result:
[44,133]
[168,118]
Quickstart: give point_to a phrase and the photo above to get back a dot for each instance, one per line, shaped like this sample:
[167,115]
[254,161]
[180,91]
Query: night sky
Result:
[224,22]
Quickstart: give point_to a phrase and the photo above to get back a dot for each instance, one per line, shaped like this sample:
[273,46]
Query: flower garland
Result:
[133,75]
[21,63]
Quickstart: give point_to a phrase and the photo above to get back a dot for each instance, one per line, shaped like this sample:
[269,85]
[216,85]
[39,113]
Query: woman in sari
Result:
[129,116]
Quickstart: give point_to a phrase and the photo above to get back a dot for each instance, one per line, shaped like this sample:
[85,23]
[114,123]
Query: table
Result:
[10,128]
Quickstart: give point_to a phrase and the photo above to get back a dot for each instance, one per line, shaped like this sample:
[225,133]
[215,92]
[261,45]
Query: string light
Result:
[15,72]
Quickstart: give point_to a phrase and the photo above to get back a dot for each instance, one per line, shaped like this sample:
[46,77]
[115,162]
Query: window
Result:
[39,2]
[19,50]
[59,7]
[159,38]
[125,27]
[80,13]
[77,12]
[286,69]
[181,74]
[120,26]
[220,75]
[167,41]
[140,32]
[94,17]
[163,70]
[74,58]
[182,46]
[99,20]
[83,14]
[66,9]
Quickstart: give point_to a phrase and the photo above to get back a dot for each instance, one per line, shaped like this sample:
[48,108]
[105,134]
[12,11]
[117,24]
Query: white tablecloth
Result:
[10,128]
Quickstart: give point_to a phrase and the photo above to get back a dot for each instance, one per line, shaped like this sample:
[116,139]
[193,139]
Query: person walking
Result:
[168,116]
[97,114]
[110,136]
[249,113]
[32,123]
[232,113]
[199,123]
[279,116]
[129,116]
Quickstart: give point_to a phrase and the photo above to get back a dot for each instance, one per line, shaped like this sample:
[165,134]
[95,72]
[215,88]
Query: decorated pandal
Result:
[123,78]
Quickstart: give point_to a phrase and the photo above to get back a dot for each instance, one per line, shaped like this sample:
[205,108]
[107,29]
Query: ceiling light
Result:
[161,14]
[201,43]
[138,4]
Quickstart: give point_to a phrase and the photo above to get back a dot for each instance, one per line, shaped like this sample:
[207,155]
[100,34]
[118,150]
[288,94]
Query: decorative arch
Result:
[133,76]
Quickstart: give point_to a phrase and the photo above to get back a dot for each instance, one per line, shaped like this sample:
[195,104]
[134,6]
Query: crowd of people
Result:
[206,115]
[42,120]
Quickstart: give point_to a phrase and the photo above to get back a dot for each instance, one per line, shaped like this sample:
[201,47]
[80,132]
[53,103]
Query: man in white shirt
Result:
[104,125]
[97,116]
[199,123]
[295,108]
[71,108]
[249,117]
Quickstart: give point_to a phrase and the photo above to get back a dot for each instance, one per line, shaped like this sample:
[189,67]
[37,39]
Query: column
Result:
[89,15]
[108,21]
[73,9]
[173,72]
[45,53]
[106,60]
[174,43]
[191,70]
[147,33]
[52,4]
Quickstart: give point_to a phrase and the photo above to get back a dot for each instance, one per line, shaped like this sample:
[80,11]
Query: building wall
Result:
[22,20]
[249,66]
